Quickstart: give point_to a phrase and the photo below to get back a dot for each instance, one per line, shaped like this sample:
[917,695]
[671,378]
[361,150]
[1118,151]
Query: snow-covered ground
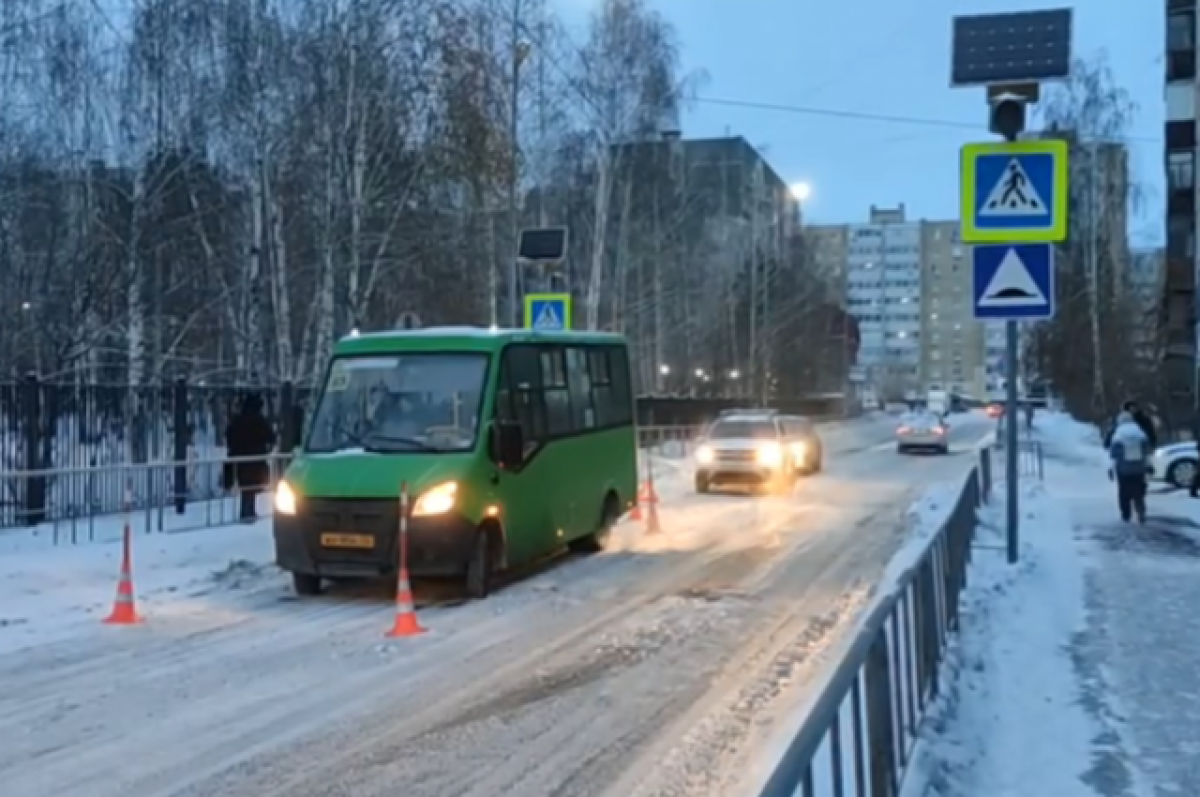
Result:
[655,668]
[1076,670]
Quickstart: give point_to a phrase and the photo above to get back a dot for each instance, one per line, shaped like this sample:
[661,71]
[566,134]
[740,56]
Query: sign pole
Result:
[1012,356]
[1015,194]
[1012,526]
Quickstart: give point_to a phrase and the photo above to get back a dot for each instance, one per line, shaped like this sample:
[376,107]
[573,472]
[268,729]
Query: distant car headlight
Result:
[285,498]
[705,455]
[770,455]
[436,500]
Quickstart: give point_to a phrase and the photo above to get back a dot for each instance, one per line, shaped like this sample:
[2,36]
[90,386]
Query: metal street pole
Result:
[1010,432]
[514,265]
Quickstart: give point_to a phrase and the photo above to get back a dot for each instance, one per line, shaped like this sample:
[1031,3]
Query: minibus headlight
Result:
[436,500]
[285,498]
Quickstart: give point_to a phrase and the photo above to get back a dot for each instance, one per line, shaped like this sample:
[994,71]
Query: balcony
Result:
[1181,65]
[1181,275]
[1180,342]
[1181,201]
[1181,135]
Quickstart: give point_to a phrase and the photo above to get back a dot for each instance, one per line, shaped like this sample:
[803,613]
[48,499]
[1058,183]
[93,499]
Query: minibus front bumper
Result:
[351,538]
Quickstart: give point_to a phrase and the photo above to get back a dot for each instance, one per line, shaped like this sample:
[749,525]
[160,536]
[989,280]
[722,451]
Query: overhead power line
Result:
[867,116]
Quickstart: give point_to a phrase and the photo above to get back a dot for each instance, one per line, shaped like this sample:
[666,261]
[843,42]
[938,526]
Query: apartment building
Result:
[1179,279]
[908,285]
[1145,284]
[952,350]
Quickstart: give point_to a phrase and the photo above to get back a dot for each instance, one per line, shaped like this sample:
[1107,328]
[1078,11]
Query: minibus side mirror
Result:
[508,444]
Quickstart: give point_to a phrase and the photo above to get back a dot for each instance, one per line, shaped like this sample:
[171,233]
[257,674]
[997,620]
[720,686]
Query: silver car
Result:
[923,432]
[757,449]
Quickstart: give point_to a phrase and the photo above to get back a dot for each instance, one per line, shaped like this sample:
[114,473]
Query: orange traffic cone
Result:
[406,623]
[636,512]
[652,525]
[124,610]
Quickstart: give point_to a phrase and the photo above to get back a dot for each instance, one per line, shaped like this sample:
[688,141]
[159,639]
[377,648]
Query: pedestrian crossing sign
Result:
[1015,192]
[548,312]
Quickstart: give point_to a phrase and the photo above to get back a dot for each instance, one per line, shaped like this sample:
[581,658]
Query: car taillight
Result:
[903,430]
[938,430]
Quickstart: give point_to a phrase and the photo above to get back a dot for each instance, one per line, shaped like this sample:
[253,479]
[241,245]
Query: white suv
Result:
[762,448]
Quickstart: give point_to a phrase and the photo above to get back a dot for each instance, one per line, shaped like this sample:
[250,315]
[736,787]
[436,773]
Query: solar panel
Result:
[544,245]
[1023,47]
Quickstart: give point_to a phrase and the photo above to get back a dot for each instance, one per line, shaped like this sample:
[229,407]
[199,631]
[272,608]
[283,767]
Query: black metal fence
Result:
[860,734]
[67,427]
[45,427]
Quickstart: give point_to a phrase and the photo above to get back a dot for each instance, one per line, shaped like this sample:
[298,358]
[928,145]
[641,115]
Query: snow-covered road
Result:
[656,668]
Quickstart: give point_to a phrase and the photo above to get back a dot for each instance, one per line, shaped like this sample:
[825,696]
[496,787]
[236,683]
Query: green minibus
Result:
[511,444]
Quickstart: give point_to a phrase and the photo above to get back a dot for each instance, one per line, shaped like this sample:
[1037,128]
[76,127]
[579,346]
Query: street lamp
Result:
[664,369]
[734,374]
[699,373]
[801,191]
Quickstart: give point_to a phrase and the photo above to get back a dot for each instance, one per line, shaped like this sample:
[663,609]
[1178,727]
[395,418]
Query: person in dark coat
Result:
[249,434]
[1143,422]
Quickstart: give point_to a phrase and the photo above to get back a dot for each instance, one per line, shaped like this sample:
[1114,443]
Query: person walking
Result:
[1130,455]
[248,435]
[1140,418]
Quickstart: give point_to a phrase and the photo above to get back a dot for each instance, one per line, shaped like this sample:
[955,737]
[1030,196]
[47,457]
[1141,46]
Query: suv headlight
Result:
[436,500]
[705,455]
[285,498]
[770,455]
[800,450]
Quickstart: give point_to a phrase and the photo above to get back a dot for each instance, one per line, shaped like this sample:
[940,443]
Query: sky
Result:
[889,59]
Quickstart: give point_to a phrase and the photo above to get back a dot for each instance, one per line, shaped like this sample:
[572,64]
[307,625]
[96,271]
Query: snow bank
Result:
[1010,682]
[1020,712]
[49,594]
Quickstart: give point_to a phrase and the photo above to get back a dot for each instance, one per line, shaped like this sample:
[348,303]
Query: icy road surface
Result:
[656,668]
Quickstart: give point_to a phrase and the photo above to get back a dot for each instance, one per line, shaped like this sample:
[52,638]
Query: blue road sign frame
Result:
[1045,162]
[536,304]
[1038,261]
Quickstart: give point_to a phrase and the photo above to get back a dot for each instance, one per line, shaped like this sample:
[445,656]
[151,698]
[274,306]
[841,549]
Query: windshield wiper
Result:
[409,441]
[355,440]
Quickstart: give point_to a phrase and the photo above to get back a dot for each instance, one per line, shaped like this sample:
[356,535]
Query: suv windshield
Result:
[407,402]
[758,430]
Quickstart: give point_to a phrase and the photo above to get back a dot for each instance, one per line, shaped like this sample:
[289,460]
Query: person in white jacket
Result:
[1130,452]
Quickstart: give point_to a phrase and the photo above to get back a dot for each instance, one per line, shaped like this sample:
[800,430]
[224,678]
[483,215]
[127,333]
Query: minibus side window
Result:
[602,386]
[583,413]
[621,410]
[521,372]
[557,394]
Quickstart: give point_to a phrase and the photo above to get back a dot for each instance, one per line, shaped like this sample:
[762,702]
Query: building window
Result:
[1181,32]
[1181,102]
[1181,237]
[1181,170]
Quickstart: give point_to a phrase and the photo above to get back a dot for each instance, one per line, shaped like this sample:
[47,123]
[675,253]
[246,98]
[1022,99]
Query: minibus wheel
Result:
[610,513]
[306,584]
[479,567]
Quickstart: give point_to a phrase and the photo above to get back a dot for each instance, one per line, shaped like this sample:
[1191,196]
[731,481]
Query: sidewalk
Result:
[1078,670]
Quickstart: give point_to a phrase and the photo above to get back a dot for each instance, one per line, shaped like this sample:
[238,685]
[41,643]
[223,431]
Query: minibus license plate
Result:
[347,541]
